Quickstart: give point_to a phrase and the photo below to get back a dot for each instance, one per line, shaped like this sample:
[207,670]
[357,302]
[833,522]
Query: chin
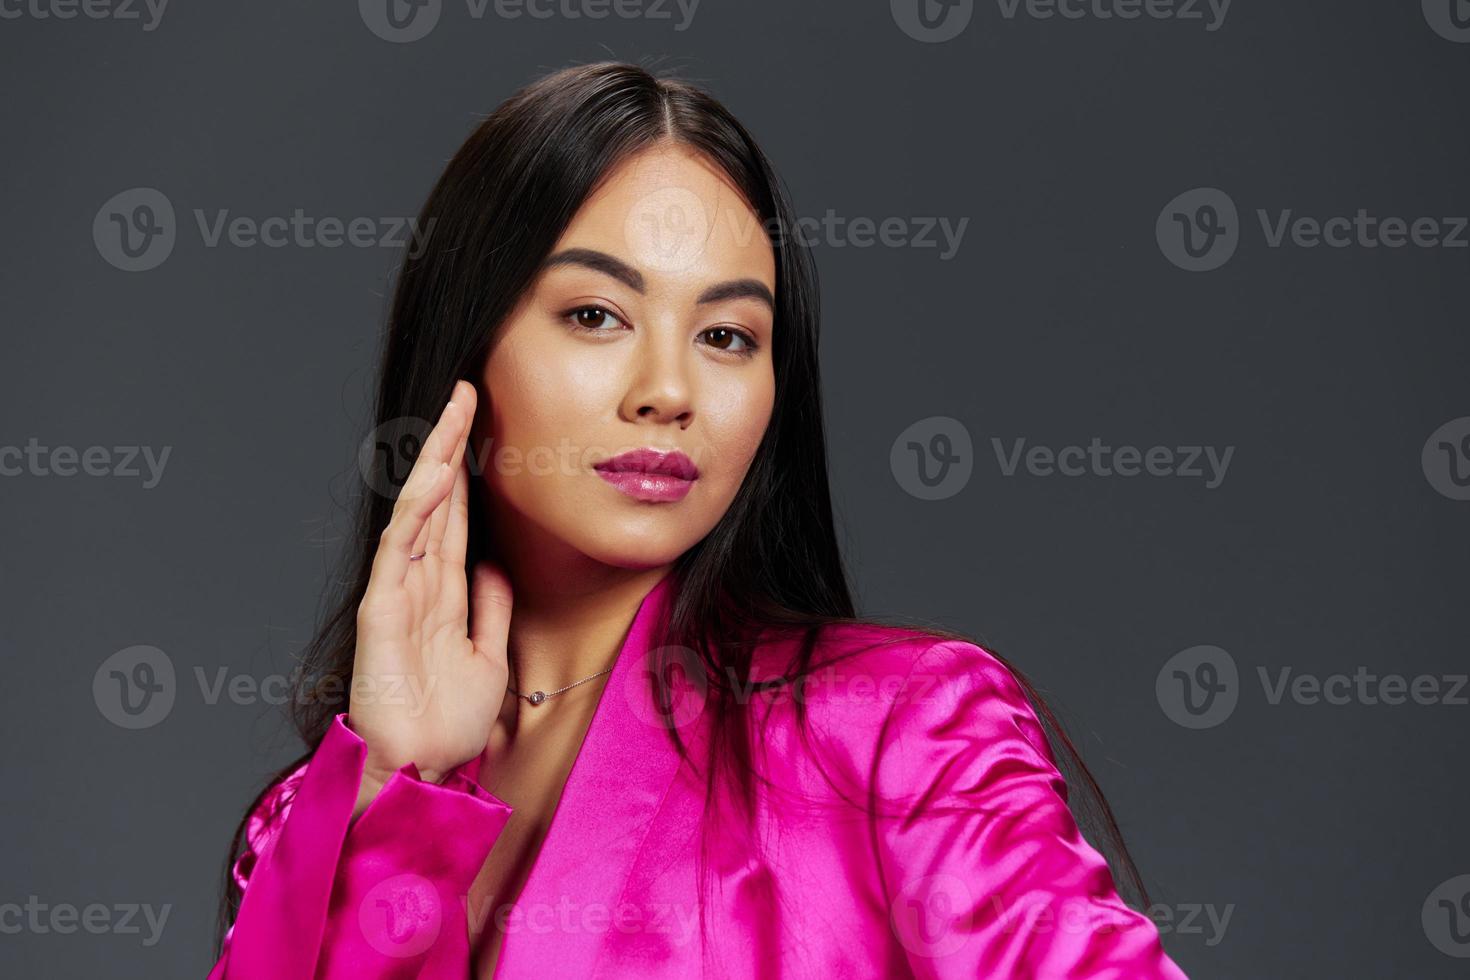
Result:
[637,551]
[622,533]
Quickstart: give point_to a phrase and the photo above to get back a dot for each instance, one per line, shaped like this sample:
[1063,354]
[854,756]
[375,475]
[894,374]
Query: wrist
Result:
[374,778]
[369,787]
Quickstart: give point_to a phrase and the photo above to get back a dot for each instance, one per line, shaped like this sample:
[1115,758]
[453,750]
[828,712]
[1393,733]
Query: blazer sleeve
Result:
[987,872]
[383,896]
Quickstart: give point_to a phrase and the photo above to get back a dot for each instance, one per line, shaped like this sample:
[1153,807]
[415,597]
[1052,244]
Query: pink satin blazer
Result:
[968,865]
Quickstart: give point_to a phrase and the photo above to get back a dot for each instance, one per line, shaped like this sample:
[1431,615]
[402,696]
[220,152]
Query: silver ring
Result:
[417,556]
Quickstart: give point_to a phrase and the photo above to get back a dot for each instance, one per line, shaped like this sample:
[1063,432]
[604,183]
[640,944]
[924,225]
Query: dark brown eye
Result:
[721,338]
[593,319]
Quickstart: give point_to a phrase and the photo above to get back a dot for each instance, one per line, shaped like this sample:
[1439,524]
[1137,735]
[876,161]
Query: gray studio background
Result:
[1283,836]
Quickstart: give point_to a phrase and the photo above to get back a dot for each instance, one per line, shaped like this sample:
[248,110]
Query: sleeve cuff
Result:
[440,831]
[384,895]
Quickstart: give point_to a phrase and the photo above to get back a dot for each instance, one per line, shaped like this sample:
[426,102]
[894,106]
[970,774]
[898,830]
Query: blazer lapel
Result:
[570,901]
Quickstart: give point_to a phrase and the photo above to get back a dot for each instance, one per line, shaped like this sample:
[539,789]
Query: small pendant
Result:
[537,697]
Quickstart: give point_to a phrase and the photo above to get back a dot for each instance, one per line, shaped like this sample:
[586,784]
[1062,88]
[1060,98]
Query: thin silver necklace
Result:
[536,697]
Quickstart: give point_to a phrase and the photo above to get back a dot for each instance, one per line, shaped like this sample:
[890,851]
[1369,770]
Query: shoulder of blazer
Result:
[882,654]
[871,686]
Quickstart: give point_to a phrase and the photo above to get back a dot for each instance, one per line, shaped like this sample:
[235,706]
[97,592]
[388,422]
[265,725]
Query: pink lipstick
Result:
[650,474]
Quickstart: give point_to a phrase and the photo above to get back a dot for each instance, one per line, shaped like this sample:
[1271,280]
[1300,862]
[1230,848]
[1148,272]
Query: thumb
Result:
[490,606]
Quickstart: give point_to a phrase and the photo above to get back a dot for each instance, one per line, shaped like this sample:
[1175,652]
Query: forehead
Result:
[674,216]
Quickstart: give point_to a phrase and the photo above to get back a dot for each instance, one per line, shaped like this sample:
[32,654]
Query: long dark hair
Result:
[772,562]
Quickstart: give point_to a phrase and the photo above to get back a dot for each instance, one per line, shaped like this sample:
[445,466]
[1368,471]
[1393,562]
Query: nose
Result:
[661,390]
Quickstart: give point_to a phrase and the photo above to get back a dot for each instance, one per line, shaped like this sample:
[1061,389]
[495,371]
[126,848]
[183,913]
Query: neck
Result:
[562,631]
[570,613]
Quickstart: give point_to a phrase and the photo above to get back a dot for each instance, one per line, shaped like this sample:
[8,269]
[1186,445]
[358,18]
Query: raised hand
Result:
[427,686]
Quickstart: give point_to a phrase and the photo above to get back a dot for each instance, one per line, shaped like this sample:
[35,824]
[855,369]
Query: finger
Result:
[391,562]
[439,447]
[457,527]
[490,605]
[451,595]
[436,448]
[440,519]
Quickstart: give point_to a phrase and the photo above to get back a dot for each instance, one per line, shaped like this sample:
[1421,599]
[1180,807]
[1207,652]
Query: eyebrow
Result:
[608,265]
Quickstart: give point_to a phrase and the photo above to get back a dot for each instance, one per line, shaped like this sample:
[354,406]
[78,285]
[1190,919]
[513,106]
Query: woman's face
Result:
[648,328]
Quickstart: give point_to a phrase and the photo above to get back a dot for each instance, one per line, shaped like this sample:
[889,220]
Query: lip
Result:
[650,474]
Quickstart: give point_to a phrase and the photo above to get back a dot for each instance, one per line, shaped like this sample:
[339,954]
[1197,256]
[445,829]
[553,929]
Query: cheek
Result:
[545,401]
[736,417]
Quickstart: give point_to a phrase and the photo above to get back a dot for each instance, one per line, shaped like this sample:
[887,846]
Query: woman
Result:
[609,712]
